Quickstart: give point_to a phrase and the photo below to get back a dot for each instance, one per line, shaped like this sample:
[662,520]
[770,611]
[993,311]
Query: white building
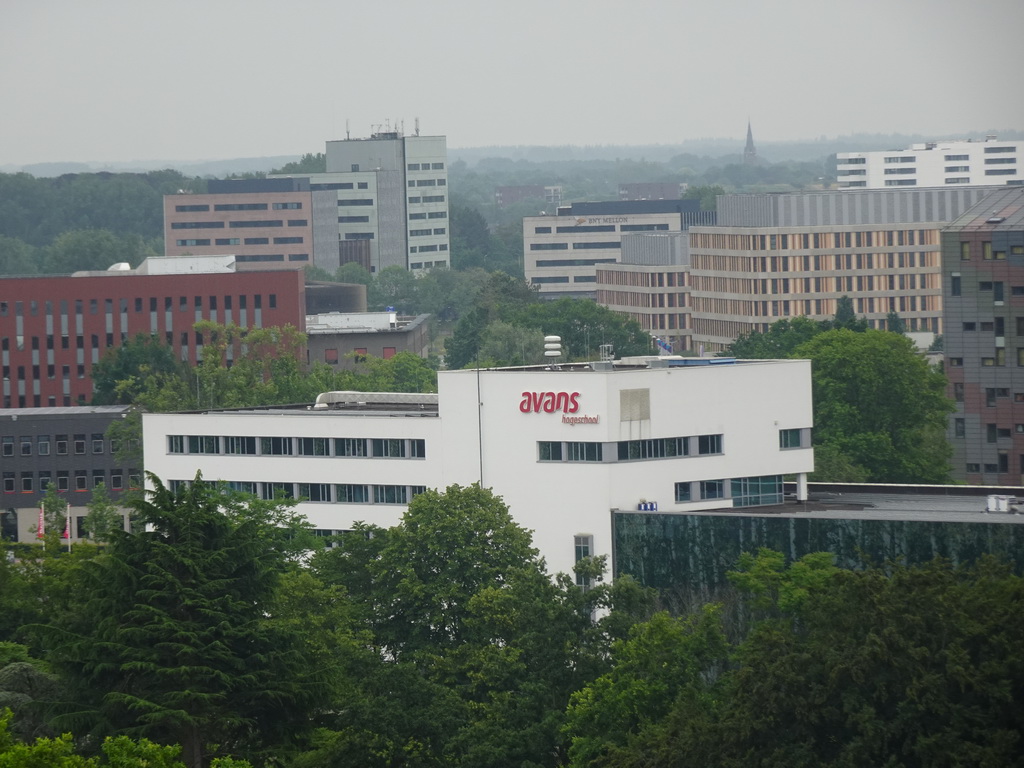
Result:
[565,448]
[562,253]
[935,164]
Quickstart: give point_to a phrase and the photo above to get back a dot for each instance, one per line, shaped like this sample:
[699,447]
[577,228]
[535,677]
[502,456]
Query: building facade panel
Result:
[935,164]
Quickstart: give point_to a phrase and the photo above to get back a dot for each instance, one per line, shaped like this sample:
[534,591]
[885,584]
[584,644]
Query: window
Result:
[79,445]
[709,444]
[632,450]
[584,548]
[242,486]
[240,446]
[550,451]
[682,492]
[352,494]
[712,489]
[203,444]
[314,446]
[790,438]
[277,491]
[43,447]
[63,481]
[116,480]
[27,479]
[756,491]
[315,491]
[418,449]
[8,445]
[390,494]
[81,480]
[584,451]
[388,448]
[175,443]
[26,446]
[349,446]
[276,446]
[9,482]
[97,444]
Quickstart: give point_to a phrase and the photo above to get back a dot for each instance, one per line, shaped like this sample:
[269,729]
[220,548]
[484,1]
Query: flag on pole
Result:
[41,529]
[67,522]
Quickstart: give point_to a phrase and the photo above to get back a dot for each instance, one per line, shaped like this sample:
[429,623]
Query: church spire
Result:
[749,153]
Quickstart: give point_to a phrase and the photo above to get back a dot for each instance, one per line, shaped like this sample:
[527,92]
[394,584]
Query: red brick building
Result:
[54,329]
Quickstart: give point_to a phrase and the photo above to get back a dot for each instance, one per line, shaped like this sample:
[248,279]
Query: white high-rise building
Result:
[385,200]
[935,164]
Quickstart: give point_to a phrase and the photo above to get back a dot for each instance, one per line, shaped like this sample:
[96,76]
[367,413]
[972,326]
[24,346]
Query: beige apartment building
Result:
[744,279]
[771,256]
[651,286]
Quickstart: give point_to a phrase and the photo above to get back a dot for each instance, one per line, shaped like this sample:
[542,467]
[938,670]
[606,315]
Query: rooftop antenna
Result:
[347,134]
[417,126]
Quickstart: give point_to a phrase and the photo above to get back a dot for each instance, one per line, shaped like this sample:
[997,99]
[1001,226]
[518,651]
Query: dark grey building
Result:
[67,447]
[983,297]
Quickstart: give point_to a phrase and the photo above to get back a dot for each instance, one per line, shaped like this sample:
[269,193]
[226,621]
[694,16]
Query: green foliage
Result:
[899,666]
[173,637]
[104,517]
[663,659]
[880,404]
[311,162]
[478,649]
[124,372]
[707,194]
[894,323]
[778,342]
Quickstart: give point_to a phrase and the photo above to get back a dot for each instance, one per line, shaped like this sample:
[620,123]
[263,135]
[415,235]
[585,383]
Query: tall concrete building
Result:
[391,202]
[383,202]
[983,284]
[935,164]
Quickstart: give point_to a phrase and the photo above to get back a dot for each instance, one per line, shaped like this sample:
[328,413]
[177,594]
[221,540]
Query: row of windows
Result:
[428,183]
[393,448]
[196,208]
[428,215]
[79,480]
[139,304]
[340,185]
[326,493]
[427,248]
[808,240]
[427,199]
[744,491]
[79,444]
[425,232]
[425,166]
[631,450]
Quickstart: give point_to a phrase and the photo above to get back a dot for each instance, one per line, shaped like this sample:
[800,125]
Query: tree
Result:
[707,194]
[175,636]
[505,344]
[104,517]
[846,317]
[123,372]
[779,341]
[310,162]
[879,403]
[894,323]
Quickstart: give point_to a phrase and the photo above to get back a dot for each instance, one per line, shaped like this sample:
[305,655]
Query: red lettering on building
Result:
[550,402]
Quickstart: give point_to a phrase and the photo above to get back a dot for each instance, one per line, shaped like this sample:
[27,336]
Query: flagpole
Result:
[67,524]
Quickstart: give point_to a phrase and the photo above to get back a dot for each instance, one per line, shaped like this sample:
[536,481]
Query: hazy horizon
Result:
[114,81]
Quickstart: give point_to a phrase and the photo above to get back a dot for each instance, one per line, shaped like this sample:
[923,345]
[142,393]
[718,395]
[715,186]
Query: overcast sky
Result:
[124,80]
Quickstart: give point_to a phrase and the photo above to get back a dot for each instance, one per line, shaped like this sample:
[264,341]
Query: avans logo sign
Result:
[549,402]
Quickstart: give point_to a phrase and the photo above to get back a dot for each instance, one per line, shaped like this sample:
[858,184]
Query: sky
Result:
[133,80]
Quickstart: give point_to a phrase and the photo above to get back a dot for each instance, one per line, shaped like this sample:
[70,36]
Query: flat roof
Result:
[869,505]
